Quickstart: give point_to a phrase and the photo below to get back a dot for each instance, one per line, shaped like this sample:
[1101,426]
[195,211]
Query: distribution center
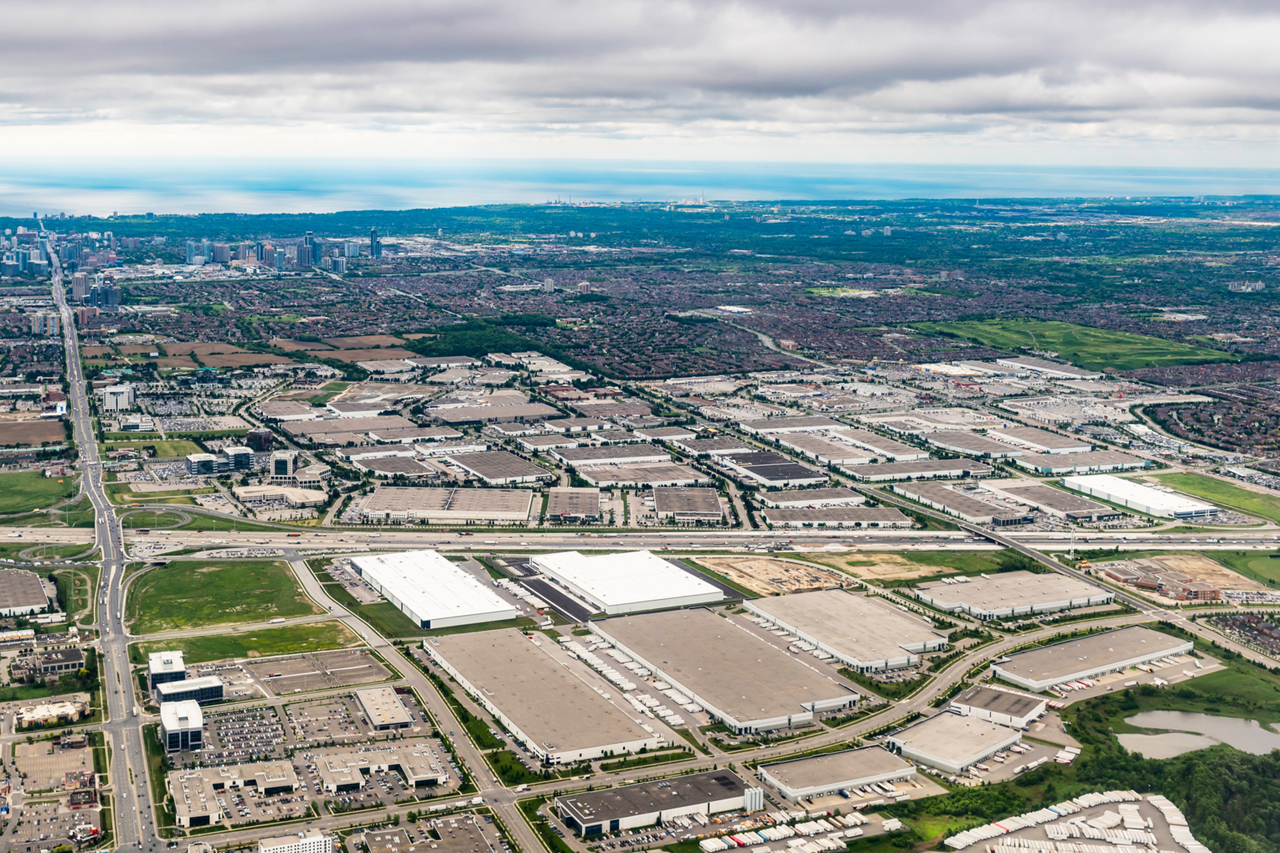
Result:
[820,775]
[1008,594]
[431,590]
[1139,497]
[650,803]
[1040,669]
[625,583]
[951,743]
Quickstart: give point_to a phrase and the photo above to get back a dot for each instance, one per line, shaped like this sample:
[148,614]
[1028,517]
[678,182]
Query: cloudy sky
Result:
[1137,82]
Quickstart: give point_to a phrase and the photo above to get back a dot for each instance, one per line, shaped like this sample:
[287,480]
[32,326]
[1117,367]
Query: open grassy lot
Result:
[1092,349]
[150,518]
[907,568]
[212,523]
[1261,566]
[196,593]
[266,642]
[122,493]
[1225,494]
[29,490]
[167,449]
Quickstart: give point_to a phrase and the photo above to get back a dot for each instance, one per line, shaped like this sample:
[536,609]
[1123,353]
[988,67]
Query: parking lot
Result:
[342,572]
[317,671]
[44,765]
[44,825]
[235,737]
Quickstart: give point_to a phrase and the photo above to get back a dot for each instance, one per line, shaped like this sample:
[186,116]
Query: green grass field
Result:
[150,518]
[168,449]
[29,490]
[1225,494]
[289,640]
[1261,566]
[211,523]
[196,593]
[1092,349]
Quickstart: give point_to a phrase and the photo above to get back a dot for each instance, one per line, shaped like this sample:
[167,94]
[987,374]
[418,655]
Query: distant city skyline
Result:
[1085,82]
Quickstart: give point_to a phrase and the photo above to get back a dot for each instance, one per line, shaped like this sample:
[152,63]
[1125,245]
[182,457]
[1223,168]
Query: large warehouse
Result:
[431,590]
[894,451]
[837,516]
[826,451]
[924,469]
[1055,502]
[745,682]
[649,803]
[1092,462]
[951,742]
[772,470]
[999,706]
[1139,497]
[625,583]
[501,468]
[1040,669]
[972,444]
[446,506]
[810,498]
[865,633]
[1007,594]
[21,593]
[821,775]
[957,503]
[550,709]
[1040,440]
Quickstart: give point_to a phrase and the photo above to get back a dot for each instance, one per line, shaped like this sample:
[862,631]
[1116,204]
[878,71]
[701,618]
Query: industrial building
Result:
[838,516]
[203,690]
[181,726]
[447,506]
[741,680]
[687,506]
[164,667]
[957,503]
[539,700]
[1139,497]
[641,476]
[305,841]
[811,498]
[924,469]
[1099,654]
[21,593]
[493,414]
[1055,502]
[625,583]
[651,803]
[1009,594]
[1040,440]
[826,451]
[999,706]
[782,425]
[951,742]
[894,451]
[664,433]
[718,446]
[1051,369]
[611,454]
[383,709]
[1093,462]
[822,775]
[573,504]
[864,633]
[431,590]
[972,444]
[500,468]
[772,469]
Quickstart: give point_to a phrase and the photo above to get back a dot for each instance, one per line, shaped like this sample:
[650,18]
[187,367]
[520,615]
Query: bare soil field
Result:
[176,362]
[200,348]
[353,355]
[139,349]
[243,359]
[1202,569]
[364,341]
[890,566]
[16,433]
[285,343]
[772,577]
[93,352]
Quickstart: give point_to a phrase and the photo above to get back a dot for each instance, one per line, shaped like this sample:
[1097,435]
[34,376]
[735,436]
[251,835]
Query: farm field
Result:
[24,433]
[267,642]
[28,490]
[1258,504]
[1092,349]
[195,593]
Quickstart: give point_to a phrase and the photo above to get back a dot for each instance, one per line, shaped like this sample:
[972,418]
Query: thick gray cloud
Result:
[810,77]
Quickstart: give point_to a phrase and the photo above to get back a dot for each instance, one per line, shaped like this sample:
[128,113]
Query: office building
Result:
[164,667]
[307,841]
[181,726]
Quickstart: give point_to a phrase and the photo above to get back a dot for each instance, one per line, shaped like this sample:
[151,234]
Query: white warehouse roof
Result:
[1139,497]
[431,590]
[626,583]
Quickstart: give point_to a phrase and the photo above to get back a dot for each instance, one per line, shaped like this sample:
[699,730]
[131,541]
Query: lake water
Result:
[1188,732]
[182,185]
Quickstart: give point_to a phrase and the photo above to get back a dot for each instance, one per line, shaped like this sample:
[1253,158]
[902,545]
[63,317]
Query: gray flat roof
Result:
[730,668]
[722,444]
[837,515]
[651,474]
[1087,459]
[876,442]
[1099,651]
[481,503]
[352,425]
[1009,589]
[396,465]
[927,467]
[499,465]
[19,588]
[679,500]
[612,452]
[810,497]
[837,768]
[790,423]
[1042,437]
[573,501]
[953,501]
[648,797]
[548,702]
[953,738]
[1038,494]
[859,626]
[971,442]
[998,701]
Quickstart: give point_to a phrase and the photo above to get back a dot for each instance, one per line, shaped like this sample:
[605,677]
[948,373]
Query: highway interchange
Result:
[133,812]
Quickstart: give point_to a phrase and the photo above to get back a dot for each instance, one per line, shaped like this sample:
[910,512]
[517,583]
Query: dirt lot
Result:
[139,349]
[285,343]
[176,362]
[91,352]
[364,354]
[890,566]
[1201,568]
[14,433]
[243,359]
[771,577]
[200,348]
[362,341]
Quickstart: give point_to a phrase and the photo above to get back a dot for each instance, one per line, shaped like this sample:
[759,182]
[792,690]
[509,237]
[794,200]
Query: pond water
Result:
[1188,732]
